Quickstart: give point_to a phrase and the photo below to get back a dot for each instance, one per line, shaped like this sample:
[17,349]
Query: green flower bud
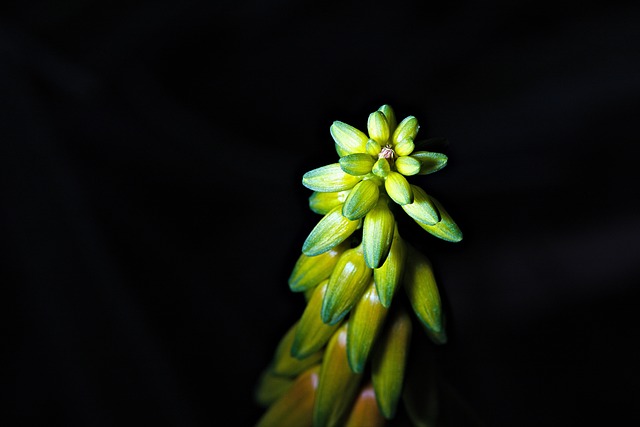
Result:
[287,365]
[373,148]
[407,165]
[446,228]
[311,332]
[329,232]
[398,188]
[422,292]
[322,203]
[309,271]
[390,116]
[430,161]
[389,360]
[404,147]
[378,127]
[381,168]
[408,128]
[329,178]
[362,198]
[337,384]
[388,276]
[347,282]
[357,164]
[422,210]
[349,139]
[377,233]
[365,322]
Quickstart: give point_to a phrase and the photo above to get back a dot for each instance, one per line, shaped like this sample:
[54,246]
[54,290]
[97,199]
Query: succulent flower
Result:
[343,363]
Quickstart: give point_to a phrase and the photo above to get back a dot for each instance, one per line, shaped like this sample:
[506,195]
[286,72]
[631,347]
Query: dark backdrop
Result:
[152,207]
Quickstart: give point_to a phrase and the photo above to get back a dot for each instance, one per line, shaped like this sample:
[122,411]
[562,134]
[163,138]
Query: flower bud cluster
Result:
[343,362]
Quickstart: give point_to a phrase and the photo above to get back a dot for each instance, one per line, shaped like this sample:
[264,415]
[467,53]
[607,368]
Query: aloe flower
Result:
[368,291]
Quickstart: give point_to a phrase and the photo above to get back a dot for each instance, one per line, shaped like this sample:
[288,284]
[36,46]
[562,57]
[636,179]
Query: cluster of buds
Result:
[343,362]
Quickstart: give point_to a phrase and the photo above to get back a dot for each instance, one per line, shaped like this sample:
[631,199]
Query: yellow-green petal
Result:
[357,164]
[446,228]
[398,188]
[347,282]
[422,292]
[284,363]
[365,323]
[329,232]
[381,168]
[362,198]
[270,387]
[391,117]
[349,139]
[388,276]
[404,147]
[311,332]
[378,127]
[308,271]
[338,385]
[365,411]
[407,128]
[322,202]
[407,165]
[430,161]
[329,178]
[295,407]
[422,210]
[388,361]
[377,233]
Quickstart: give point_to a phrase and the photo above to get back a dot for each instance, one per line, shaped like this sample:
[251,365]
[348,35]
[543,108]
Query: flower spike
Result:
[344,362]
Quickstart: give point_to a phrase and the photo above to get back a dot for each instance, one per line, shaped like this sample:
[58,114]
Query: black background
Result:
[152,205]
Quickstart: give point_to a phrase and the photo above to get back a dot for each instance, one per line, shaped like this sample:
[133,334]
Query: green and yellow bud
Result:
[381,168]
[285,364]
[348,139]
[389,359]
[295,407]
[407,129]
[404,147]
[407,165]
[347,283]
[377,233]
[422,292]
[398,188]
[321,203]
[308,271]
[430,161]
[378,127]
[365,323]
[390,116]
[422,210]
[338,385]
[357,164]
[330,231]
[329,178]
[270,387]
[311,332]
[362,198]
[388,277]
[373,148]
[365,411]
[446,228]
